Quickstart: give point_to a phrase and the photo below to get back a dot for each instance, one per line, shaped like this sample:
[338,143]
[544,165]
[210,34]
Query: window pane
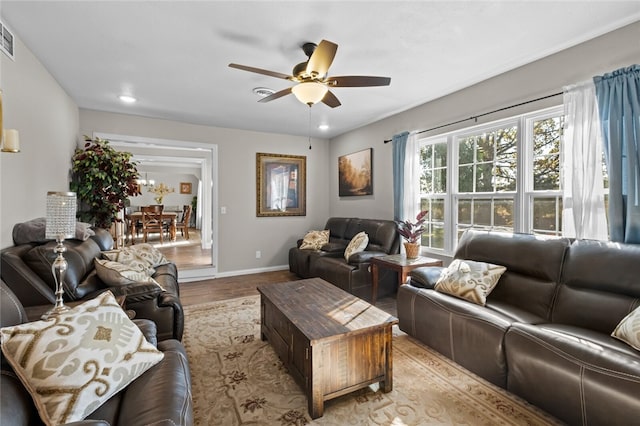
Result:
[465,151]
[437,210]
[503,213]
[547,136]
[440,155]
[485,147]
[465,179]
[482,212]
[484,177]
[437,236]
[426,181]
[440,181]
[545,214]
[506,174]
[464,212]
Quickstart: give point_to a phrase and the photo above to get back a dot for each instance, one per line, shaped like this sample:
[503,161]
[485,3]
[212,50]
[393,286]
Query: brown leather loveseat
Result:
[160,396]
[545,332]
[354,276]
[26,268]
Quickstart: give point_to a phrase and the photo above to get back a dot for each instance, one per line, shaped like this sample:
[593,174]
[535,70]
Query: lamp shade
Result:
[310,93]
[61,215]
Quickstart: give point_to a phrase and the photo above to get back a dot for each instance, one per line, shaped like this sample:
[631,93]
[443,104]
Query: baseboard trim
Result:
[209,274]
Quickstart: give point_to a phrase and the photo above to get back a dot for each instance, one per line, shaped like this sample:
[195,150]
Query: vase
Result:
[158,200]
[412,250]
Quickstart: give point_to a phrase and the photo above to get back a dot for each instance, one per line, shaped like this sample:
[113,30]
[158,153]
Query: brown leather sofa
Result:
[545,332]
[354,276]
[160,396]
[26,268]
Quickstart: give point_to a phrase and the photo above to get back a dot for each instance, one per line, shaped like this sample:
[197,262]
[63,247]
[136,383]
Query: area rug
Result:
[239,380]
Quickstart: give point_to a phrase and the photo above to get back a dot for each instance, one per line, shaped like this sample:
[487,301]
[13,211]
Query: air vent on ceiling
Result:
[7,40]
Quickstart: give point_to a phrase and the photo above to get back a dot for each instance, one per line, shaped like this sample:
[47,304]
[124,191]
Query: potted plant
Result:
[412,232]
[103,179]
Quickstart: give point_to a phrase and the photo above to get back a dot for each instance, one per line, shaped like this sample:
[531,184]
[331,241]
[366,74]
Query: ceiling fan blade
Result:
[321,59]
[331,100]
[358,81]
[261,71]
[276,95]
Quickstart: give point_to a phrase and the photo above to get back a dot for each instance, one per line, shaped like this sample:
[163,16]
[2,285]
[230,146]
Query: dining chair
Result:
[152,221]
[183,225]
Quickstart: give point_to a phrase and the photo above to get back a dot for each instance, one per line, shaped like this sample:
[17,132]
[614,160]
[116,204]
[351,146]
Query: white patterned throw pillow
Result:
[357,244]
[314,240]
[469,280]
[71,364]
[628,330]
[139,255]
[118,274]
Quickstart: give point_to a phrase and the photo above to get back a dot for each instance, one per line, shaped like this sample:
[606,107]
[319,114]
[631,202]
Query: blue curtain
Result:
[618,96]
[399,143]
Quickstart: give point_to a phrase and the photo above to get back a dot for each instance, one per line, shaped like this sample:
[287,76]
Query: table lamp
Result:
[61,224]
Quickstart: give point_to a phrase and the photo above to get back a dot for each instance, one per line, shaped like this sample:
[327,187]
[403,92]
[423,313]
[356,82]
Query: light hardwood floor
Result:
[197,292]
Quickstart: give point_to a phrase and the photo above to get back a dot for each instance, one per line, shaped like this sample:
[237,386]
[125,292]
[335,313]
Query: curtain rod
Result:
[475,117]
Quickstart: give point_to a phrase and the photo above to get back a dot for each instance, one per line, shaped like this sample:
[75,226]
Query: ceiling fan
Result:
[311,76]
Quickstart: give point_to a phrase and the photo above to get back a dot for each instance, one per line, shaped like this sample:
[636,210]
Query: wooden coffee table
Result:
[331,342]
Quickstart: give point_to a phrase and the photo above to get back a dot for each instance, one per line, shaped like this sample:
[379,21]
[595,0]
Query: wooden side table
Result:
[399,263]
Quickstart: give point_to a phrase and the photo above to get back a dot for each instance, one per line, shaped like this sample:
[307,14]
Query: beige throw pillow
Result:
[116,274]
[140,256]
[73,363]
[357,244]
[314,240]
[628,330]
[469,280]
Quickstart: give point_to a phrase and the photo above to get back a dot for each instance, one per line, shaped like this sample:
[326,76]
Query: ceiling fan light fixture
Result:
[310,93]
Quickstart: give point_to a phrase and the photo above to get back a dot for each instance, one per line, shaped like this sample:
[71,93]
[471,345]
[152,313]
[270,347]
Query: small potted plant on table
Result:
[412,232]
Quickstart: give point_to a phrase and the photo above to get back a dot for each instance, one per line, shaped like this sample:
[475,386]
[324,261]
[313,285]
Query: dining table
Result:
[134,217]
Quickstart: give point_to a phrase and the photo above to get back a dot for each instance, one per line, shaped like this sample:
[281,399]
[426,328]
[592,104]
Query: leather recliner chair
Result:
[26,268]
[162,395]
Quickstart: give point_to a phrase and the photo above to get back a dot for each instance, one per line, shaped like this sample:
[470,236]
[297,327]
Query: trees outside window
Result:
[504,176]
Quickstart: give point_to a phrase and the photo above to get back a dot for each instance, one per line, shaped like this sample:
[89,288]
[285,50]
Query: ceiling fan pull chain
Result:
[309,128]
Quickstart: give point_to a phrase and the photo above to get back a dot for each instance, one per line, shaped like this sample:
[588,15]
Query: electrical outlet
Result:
[223,210]
[258,254]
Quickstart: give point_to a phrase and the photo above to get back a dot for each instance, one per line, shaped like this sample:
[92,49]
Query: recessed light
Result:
[127,99]
[263,91]
[323,127]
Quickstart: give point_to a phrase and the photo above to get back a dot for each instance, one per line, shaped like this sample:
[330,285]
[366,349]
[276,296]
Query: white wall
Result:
[241,233]
[611,51]
[47,119]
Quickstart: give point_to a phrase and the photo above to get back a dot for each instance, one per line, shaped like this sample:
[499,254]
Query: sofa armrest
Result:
[149,330]
[365,256]
[169,382]
[425,277]
[137,292]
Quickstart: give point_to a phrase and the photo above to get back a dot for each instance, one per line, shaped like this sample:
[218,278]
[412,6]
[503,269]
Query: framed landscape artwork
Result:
[355,175]
[281,185]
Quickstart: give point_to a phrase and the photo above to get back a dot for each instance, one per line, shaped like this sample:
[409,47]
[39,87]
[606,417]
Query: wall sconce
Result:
[10,140]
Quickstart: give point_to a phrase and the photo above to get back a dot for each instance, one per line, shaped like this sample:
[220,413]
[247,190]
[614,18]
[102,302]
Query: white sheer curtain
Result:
[583,214]
[411,199]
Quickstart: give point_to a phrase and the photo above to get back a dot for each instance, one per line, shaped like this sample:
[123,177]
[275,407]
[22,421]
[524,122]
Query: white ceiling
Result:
[174,55]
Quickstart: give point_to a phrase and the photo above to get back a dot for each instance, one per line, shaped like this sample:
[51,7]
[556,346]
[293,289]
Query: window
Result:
[504,175]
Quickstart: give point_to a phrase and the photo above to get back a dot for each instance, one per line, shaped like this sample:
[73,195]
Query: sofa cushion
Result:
[629,329]
[73,363]
[35,231]
[357,244]
[469,280]
[314,240]
[79,256]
